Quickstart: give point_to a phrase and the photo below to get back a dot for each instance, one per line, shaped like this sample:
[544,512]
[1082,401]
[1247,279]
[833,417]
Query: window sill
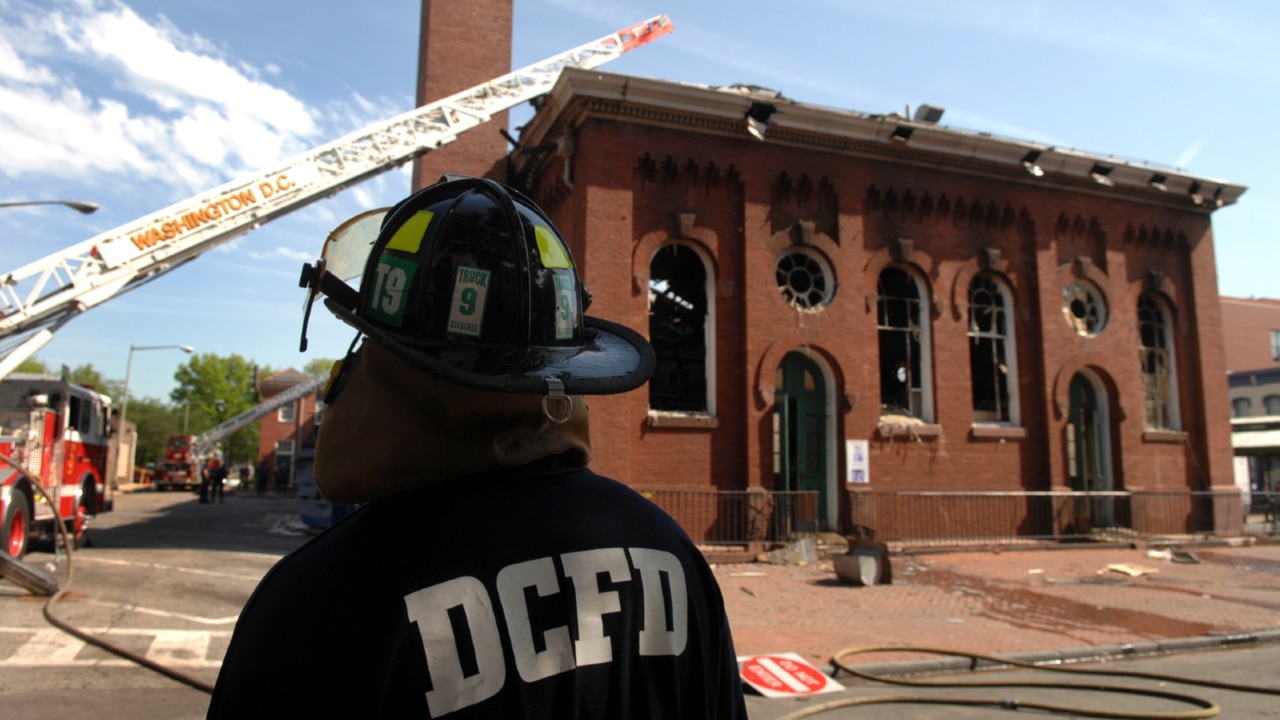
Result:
[998,432]
[663,418]
[1164,436]
[910,428]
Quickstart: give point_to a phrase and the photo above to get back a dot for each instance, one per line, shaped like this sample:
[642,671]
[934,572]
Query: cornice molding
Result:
[580,95]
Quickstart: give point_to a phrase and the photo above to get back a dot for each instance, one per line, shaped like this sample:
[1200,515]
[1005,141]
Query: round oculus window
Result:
[1084,308]
[804,280]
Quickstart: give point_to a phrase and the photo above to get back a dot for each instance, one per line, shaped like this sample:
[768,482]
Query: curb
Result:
[1094,653]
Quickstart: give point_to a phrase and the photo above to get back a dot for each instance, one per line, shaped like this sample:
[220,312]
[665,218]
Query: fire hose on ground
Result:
[37,583]
[1205,708]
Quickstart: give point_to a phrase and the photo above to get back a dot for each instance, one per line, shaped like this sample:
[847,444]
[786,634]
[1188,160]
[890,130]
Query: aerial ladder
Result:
[39,298]
[204,443]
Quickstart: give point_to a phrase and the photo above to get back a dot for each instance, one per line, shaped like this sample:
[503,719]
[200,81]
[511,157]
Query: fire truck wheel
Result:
[17,525]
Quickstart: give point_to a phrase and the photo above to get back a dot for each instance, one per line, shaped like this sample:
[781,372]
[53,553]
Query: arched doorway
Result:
[1089,452]
[802,438]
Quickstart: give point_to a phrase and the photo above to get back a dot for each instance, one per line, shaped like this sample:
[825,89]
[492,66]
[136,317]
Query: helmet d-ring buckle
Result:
[555,394]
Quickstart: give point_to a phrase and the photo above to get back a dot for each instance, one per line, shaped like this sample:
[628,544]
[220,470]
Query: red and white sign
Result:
[784,675]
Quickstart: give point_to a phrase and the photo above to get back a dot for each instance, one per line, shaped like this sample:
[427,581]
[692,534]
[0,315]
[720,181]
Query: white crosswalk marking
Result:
[51,647]
[179,647]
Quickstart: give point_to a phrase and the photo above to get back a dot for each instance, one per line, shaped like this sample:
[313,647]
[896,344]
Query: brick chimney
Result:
[463,44]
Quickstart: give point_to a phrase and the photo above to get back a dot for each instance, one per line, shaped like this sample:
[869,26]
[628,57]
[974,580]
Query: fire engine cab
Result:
[59,433]
[181,466]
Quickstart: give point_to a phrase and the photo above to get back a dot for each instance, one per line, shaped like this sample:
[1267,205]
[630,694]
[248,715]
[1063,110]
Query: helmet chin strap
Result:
[556,398]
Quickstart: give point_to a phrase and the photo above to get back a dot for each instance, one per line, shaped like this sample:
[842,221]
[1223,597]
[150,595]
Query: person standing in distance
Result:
[489,573]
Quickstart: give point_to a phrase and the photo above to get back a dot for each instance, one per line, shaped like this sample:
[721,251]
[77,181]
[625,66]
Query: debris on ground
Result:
[1130,569]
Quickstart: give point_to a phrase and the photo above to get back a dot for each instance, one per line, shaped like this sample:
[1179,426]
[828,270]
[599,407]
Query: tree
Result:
[32,365]
[206,379]
[318,367]
[88,376]
[156,421]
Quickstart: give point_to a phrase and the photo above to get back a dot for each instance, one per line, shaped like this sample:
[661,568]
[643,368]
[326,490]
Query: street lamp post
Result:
[124,404]
[81,205]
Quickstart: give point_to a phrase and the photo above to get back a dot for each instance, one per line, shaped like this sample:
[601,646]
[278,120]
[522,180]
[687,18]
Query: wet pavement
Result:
[1037,606]
[996,603]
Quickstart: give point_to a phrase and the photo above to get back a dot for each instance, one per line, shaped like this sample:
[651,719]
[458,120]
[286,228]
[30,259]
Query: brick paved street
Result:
[1003,602]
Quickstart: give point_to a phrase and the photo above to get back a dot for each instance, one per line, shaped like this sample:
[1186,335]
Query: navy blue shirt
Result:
[541,592]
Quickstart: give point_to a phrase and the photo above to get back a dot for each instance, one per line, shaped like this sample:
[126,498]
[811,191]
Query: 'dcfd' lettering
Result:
[429,609]
[665,628]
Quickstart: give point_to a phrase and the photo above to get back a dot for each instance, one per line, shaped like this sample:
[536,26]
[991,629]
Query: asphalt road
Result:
[165,578]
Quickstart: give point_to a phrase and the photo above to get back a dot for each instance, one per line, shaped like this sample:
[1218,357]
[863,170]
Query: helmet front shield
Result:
[342,261]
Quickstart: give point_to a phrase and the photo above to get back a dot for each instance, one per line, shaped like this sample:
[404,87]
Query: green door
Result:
[1086,454]
[801,422]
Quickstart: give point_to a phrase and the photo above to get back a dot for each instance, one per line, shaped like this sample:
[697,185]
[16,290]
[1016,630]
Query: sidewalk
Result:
[1067,602]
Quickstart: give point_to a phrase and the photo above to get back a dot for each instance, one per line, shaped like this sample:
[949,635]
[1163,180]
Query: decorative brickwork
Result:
[654,171]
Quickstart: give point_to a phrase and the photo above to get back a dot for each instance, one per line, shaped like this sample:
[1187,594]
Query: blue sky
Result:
[139,104]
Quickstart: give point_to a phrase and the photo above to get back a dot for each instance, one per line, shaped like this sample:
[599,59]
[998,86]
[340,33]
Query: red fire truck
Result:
[58,432]
[181,466]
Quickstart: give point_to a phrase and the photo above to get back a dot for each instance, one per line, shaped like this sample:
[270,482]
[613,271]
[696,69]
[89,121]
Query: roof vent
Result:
[928,114]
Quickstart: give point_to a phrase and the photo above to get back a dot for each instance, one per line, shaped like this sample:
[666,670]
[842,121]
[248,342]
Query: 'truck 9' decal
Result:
[470,290]
[390,294]
[566,305]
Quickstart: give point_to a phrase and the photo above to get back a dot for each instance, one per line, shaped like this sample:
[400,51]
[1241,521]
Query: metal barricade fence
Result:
[964,517]
[941,518]
[730,517]
[1262,514]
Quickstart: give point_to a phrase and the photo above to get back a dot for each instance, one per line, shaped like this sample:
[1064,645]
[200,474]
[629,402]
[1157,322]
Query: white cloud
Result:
[66,133]
[1189,154]
[12,67]
[153,63]
[281,253]
[89,86]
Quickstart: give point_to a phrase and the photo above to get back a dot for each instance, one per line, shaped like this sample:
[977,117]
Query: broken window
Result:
[991,351]
[677,329]
[1159,392]
[904,345]
[1084,308]
[804,279]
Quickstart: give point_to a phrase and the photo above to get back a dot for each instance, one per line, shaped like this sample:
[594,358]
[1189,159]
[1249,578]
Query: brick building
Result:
[879,309]
[873,324]
[1251,339]
[283,431]
[1251,333]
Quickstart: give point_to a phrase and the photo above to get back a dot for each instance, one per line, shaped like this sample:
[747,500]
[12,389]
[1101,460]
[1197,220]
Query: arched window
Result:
[1271,404]
[1159,375]
[1240,407]
[902,319]
[679,330]
[992,352]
